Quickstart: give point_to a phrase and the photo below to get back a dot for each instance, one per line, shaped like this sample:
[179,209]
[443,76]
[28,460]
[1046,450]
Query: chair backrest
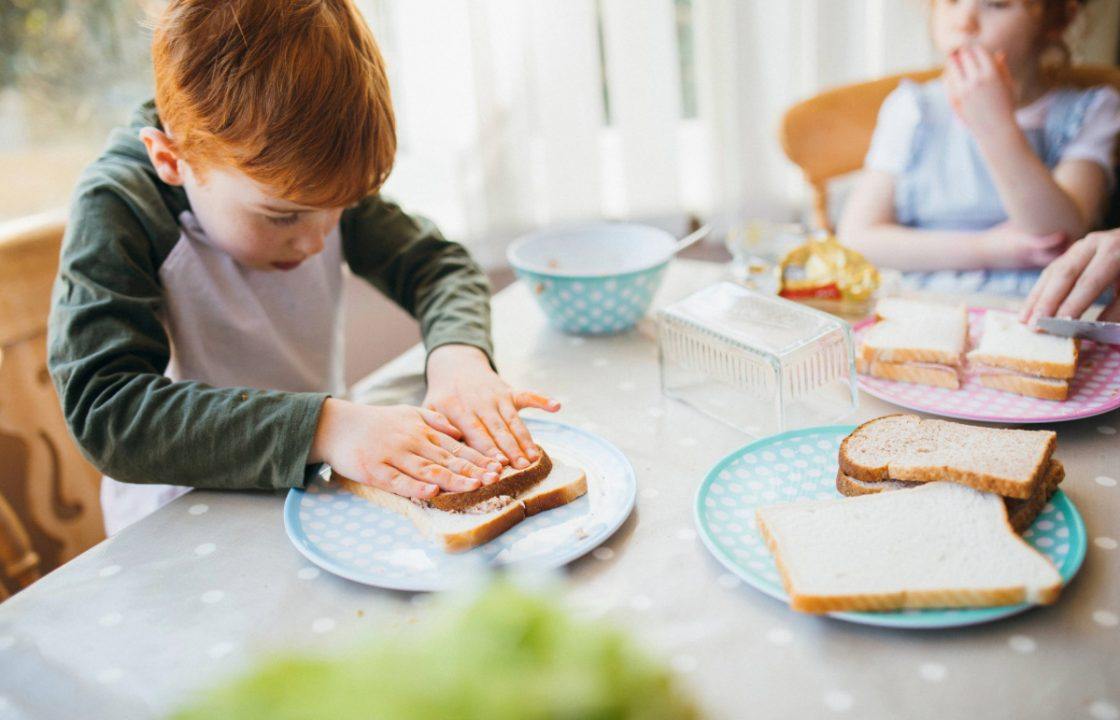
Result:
[48,490]
[828,135]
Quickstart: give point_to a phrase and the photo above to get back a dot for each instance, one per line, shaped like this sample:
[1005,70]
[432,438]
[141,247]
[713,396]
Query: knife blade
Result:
[1102,332]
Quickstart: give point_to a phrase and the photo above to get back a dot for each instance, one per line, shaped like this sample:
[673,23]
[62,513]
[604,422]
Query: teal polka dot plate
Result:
[355,539]
[802,465]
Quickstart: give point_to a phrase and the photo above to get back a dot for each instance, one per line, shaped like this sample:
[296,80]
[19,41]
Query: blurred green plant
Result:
[509,655]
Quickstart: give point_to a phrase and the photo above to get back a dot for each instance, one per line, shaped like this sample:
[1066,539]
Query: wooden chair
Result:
[828,135]
[49,507]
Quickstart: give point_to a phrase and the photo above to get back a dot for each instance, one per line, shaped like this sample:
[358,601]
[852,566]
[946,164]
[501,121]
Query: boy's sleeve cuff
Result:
[480,341]
[294,471]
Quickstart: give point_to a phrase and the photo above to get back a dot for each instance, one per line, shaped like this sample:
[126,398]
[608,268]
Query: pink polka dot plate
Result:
[1093,391]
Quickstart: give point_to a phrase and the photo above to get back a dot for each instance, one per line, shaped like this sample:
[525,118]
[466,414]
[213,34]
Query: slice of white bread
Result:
[461,530]
[939,545]
[905,447]
[945,376]
[1021,513]
[1010,345]
[916,331]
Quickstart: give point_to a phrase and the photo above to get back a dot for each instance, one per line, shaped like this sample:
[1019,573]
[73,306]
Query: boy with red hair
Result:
[194,334]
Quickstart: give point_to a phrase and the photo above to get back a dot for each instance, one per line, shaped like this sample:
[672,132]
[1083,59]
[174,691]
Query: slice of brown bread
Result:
[1021,513]
[511,482]
[1039,387]
[1011,463]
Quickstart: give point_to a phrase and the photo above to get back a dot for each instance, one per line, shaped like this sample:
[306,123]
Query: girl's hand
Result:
[1070,284]
[463,387]
[1005,247]
[981,90]
[405,450]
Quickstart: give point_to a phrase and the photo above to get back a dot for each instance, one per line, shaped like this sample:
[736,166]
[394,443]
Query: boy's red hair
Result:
[293,93]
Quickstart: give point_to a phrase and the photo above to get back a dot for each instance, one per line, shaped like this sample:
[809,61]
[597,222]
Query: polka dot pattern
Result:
[1094,390]
[801,465]
[591,305]
[350,537]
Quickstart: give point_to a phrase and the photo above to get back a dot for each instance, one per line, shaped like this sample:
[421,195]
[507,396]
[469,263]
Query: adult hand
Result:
[406,450]
[464,388]
[1070,284]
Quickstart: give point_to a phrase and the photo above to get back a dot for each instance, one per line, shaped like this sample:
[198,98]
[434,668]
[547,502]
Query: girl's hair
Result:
[1057,16]
[293,93]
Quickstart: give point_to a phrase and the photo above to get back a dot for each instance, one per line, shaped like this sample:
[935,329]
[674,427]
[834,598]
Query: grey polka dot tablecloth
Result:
[203,588]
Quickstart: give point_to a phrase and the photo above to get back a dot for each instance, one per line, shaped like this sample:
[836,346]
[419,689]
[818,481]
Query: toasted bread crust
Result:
[938,377]
[1042,388]
[512,485]
[979,481]
[1021,513]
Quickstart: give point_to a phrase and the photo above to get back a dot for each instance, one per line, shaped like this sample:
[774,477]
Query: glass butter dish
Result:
[757,362]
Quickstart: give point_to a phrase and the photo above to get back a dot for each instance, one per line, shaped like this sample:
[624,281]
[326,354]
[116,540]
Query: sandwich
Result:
[1014,358]
[939,545]
[900,452]
[459,521]
[1011,463]
[915,342]
[1020,513]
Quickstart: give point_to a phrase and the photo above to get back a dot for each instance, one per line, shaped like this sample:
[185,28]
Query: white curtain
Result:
[519,113]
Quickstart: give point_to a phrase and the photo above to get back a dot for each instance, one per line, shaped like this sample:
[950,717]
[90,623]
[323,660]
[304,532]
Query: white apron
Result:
[231,326]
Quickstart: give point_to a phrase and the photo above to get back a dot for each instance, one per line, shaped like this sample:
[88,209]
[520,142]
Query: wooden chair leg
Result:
[18,560]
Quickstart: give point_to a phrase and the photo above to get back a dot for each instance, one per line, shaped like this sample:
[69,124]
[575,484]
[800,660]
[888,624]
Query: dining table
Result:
[210,585]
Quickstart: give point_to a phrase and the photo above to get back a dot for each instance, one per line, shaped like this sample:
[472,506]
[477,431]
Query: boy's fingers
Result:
[428,472]
[527,399]
[498,430]
[517,427]
[390,479]
[460,465]
[478,437]
[438,421]
[466,453]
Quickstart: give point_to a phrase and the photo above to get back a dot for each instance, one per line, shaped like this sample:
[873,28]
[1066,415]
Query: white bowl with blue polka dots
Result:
[802,465]
[355,539]
[593,279]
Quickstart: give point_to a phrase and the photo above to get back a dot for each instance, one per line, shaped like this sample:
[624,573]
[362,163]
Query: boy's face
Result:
[241,217]
[1013,27]
[257,229]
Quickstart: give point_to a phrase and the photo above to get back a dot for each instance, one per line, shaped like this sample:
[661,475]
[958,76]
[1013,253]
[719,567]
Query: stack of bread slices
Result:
[932,520]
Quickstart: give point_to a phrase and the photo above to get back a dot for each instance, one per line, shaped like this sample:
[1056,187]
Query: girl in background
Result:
[979,178]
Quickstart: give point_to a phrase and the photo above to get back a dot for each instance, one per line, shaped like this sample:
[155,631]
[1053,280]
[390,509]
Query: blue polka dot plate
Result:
[352,538]
[802,465]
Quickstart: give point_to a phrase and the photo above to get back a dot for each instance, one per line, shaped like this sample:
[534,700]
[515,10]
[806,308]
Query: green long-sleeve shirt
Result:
[109,348]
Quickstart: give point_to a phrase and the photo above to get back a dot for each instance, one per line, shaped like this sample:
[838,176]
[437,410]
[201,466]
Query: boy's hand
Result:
[1006,247]
[1070,284]
[463,387]
[981,90]
[406,450]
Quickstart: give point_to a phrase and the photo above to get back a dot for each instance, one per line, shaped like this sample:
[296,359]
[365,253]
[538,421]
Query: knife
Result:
[1102,332]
